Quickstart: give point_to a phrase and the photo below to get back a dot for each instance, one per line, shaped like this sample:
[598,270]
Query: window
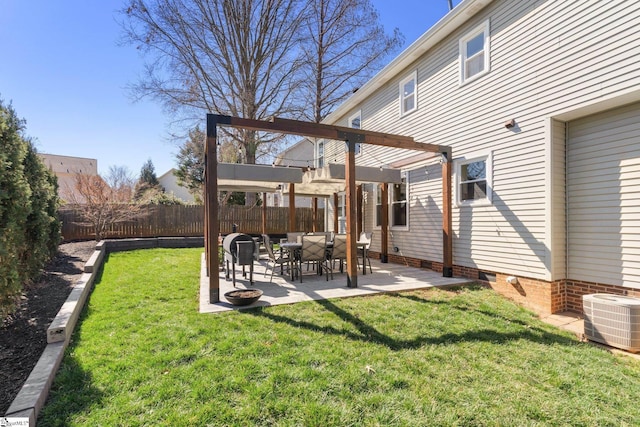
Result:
[473,177]
[408,98]
[341,211]
[474,53]
[355,122]
[399,204]
[320,154]
[379,205]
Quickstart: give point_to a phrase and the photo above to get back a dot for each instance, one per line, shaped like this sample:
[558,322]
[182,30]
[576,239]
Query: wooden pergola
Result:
[316,130]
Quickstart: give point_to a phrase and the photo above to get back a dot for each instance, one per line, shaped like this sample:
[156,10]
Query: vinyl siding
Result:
[603,170]
[547,57]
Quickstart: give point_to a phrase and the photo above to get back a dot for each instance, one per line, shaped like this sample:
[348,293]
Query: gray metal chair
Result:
[364,251]
[277,260]
[339,252]
[314,249]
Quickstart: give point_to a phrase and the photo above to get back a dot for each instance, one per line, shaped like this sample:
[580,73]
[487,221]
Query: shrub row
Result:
[29,227]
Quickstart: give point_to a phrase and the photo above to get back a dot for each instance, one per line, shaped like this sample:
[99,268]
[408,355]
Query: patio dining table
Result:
[294,250]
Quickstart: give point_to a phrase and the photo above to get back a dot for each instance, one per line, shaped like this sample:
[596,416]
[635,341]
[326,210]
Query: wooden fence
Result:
[188,221]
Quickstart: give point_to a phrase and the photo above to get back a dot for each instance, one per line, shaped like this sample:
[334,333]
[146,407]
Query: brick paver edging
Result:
[35,390]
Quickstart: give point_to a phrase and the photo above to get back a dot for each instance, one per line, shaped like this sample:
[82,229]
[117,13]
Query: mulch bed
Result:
[23,334]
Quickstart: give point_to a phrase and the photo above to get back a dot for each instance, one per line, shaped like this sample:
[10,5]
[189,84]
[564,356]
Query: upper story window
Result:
[320,154]
[408,94]
[473,178]
[474,53]
[355,122]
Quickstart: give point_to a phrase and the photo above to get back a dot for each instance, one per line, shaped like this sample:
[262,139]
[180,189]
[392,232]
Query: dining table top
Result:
[298,245]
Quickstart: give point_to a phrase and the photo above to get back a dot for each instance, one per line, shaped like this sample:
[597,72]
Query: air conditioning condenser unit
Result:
[613,320]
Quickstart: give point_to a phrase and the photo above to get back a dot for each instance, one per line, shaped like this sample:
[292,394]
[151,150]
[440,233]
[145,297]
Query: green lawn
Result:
[143,355]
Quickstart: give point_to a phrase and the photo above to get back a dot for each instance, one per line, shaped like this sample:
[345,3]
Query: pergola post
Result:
[292,207]
[314,214]
[447,231]
[384,223]
[351,202]
[360,212]
[211,208]
[264,213]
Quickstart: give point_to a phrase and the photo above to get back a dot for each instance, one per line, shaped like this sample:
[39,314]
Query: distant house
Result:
[301,154]
[65,168]
[169,182]
[540,104]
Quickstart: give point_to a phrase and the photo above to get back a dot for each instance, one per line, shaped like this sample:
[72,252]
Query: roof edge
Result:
[441,29]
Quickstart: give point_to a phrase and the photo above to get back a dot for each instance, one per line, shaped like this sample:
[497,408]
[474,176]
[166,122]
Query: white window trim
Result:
[487,156]
[342,220]
[405,175]
[413,76]
[357,114]
[376,190]
[484,27]
[318,144]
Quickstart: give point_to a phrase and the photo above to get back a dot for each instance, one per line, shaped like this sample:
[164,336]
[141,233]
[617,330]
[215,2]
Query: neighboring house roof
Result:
[65,168]
[170,184]
[299,154]
[448,24]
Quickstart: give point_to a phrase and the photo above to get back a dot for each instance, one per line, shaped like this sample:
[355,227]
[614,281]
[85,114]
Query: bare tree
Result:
[235,57]
[104,202]
[346,45]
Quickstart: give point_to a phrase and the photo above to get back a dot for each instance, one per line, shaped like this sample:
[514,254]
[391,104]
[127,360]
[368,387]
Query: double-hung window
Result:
[408,94]
[341,211]
[474,53]
[399,205]
[320,154]
[473,177]
[355,122]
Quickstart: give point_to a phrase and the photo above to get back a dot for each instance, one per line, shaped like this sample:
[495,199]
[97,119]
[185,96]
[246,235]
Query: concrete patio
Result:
[282,290]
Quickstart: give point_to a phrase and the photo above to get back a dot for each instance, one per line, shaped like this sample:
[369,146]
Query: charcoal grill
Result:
[238,249]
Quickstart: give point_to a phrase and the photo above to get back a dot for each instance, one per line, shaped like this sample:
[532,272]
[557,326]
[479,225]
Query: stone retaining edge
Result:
[34,392]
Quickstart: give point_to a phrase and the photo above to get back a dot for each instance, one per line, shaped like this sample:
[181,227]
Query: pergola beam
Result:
[320,130]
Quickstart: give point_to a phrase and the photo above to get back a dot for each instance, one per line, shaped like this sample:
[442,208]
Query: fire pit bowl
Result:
[241,297]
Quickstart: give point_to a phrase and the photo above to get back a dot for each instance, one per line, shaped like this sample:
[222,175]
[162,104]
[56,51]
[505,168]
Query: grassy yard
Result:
[143,355]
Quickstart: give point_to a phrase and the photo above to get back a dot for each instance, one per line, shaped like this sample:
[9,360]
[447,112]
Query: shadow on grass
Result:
[370,334]
[72,393]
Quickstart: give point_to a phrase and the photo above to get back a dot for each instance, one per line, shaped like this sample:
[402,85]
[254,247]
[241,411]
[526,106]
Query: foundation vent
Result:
[613,320]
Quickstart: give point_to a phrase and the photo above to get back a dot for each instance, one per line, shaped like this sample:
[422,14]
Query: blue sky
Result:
[65,73]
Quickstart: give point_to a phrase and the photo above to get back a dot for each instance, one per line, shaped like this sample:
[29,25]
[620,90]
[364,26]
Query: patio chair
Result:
[277,260]
[364,252]
[339,252]
[314,250]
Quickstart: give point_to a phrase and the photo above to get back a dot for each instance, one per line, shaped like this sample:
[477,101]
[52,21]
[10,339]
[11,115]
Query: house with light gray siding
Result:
[539,101]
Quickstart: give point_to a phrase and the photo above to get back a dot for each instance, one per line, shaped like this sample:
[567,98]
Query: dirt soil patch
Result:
[23,334]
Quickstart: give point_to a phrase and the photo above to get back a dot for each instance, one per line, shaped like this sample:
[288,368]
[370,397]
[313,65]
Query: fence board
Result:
[188,221]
